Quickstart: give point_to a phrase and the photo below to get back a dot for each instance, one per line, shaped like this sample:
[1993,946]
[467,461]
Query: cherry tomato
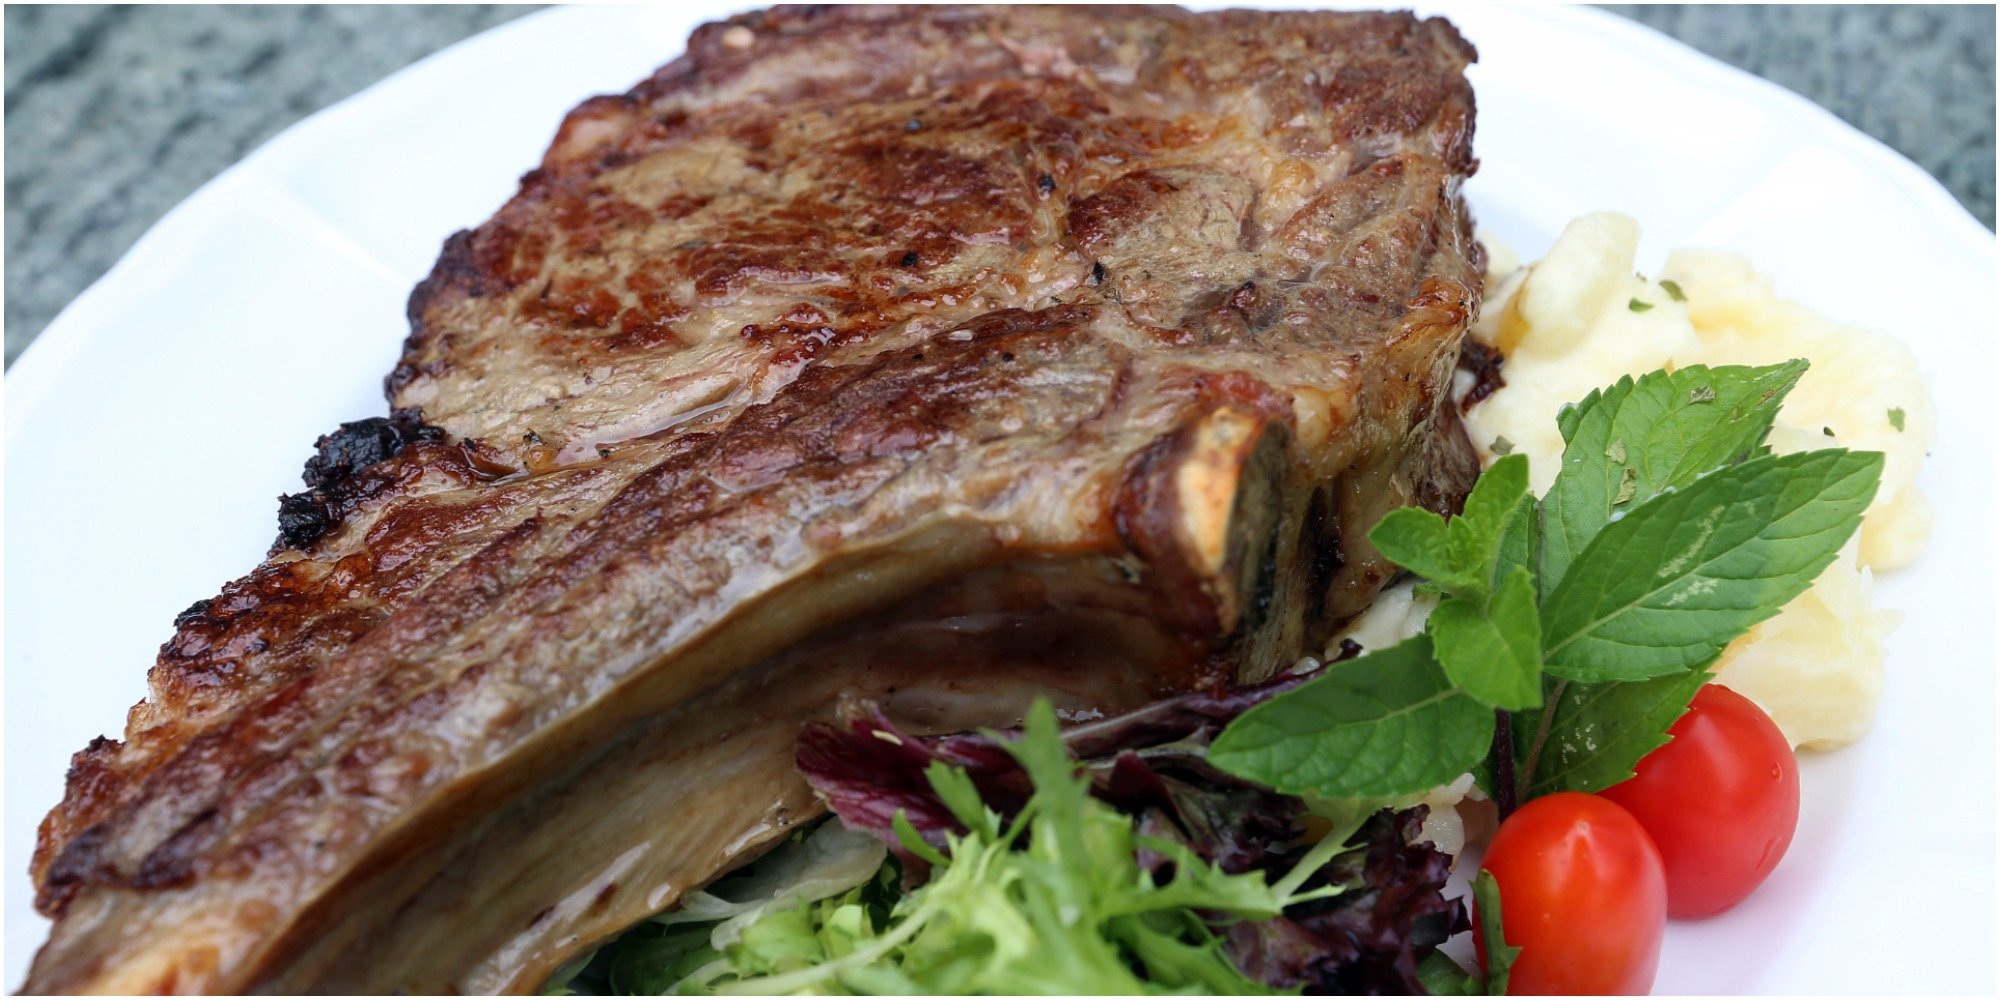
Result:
[1721,800]
[1581,894]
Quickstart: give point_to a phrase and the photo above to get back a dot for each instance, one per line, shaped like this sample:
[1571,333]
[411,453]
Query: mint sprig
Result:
[1486,633]
[1458,555]
[1668,532]
[1386,723]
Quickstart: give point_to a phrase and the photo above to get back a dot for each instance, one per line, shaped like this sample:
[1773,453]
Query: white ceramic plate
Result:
[151,427]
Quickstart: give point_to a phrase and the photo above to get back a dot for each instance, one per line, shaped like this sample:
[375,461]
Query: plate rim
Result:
[46,362]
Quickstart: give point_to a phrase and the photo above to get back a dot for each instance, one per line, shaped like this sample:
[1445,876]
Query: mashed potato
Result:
[1398,613]
[1581,318]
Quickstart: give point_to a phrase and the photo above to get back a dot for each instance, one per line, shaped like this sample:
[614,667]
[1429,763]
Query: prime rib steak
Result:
[946,356]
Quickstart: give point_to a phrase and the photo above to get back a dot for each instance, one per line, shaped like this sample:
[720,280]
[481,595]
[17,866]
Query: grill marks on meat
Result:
[940,355]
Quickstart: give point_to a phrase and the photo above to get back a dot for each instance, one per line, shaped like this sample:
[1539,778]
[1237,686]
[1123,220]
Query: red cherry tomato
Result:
[1721,800]
[1582,896]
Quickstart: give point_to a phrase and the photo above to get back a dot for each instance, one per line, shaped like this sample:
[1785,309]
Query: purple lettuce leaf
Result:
[1371,937]
[867,769]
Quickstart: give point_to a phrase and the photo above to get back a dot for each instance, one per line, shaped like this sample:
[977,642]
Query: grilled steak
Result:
[945,356]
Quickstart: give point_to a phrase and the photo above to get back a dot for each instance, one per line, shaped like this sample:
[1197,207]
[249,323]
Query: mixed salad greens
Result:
[1107,859]
[1247,840]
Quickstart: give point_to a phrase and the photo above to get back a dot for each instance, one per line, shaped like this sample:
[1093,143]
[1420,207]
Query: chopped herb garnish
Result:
[1673,289]
[1896,418]
[1702,394]
[1638,306]
[1828,431]
[1502,446]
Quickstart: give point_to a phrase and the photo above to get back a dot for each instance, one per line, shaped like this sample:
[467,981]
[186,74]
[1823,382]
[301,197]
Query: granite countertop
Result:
[114,114]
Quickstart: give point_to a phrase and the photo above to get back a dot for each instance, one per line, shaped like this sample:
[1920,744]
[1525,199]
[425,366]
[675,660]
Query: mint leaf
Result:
[1673,289]
[1417,540]
[1386,723]
[1494,496]
[1500,955]
[1597,733]
[1627,443]
[1520,542]
[1493,656]
[1670,584]
[1896,418]
[1473,537]
[1458,554]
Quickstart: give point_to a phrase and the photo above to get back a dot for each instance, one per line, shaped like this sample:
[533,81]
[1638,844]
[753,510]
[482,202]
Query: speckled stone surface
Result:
[1919,77]
[114,114]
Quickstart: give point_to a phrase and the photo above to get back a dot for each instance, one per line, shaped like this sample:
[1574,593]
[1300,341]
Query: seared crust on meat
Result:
[847,316]
[811,182]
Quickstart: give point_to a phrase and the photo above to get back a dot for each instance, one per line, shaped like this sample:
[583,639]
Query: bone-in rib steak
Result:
[945,356]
